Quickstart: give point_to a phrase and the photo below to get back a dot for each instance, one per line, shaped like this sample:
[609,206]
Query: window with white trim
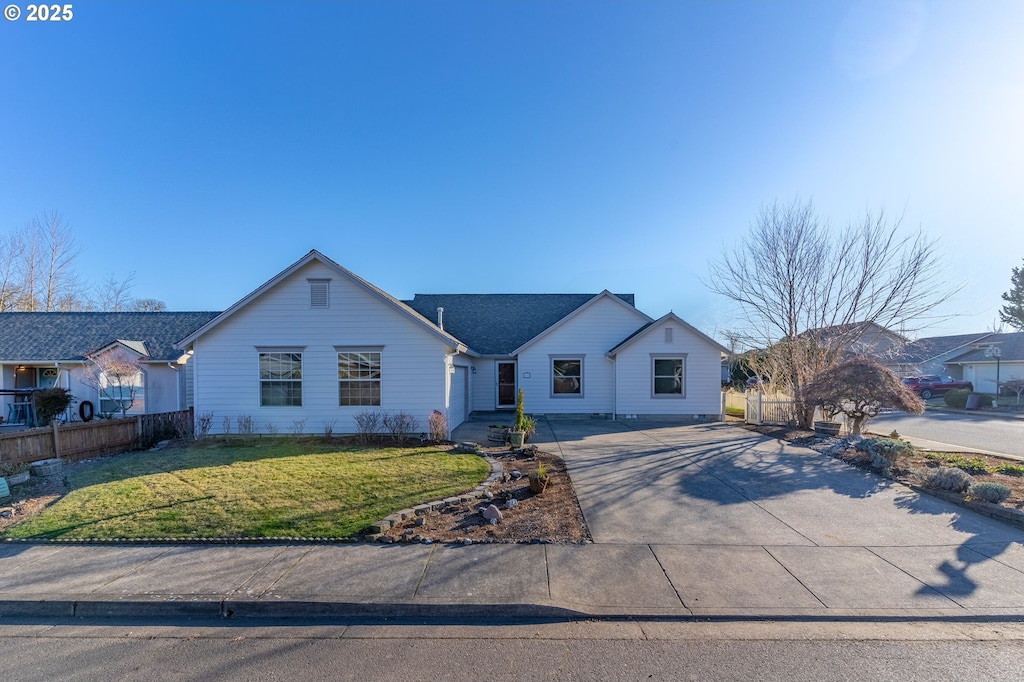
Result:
[280,379]
[668,376]
[359,377]
[567,376]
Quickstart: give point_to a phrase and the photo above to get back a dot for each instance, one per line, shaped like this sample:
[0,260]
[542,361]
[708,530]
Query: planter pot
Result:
[47,467]
[827,428]
[538,484]
[516,438]
[497,434]
[18,479]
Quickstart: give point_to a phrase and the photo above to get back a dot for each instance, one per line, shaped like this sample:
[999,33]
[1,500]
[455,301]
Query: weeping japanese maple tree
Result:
[860,388]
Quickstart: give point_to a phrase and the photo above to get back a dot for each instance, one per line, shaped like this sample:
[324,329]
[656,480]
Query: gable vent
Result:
[668,334]
[319,293]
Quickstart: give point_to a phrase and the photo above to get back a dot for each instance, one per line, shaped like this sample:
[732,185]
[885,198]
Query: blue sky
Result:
[475,147]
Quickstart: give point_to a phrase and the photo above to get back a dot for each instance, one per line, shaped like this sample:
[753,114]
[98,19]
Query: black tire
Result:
[86,411]
[926,393]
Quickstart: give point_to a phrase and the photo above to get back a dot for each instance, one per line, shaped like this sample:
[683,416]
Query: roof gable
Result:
[1011,349]
[931,347]
[604,295]
[498,324]
[315,255]
[669,317]
[71,337]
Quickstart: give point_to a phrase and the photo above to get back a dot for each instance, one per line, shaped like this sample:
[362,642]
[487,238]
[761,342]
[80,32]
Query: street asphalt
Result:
[695,521]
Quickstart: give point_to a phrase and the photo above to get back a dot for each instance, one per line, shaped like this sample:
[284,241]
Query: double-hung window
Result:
[668,376]
[567,376]
[281,379]
[359,377]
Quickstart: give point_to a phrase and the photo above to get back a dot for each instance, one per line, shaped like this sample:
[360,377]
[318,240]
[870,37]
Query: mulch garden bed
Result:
[981,467]
[553,516]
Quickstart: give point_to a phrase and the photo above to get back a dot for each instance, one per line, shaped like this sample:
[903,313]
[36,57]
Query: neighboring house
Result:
[317,345]
[979,364]
[860,338]
[929,355]
[42,350]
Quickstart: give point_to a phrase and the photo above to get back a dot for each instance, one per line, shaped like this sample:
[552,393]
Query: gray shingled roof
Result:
[1011,346]
[41,337]
[497,324]
[927,348]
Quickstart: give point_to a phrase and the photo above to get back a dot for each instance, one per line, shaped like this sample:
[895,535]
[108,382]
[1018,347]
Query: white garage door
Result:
[457,409]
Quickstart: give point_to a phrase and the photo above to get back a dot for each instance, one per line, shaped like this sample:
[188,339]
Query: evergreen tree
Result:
[1013,312]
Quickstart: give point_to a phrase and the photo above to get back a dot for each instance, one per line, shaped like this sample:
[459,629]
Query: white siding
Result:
[413,361]
[484,386]
[591,334]
[702,367]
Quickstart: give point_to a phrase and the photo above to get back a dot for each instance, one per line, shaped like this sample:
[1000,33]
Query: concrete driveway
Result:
[721,485]
[774,523]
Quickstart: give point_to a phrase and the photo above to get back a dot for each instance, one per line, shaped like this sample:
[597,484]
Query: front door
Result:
[506,384]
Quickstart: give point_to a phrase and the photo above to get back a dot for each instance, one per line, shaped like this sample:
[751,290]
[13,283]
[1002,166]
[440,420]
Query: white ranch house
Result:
[318,345]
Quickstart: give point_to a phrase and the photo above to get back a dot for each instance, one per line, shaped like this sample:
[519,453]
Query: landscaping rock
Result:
[492,514]
[6,512]
[511,503]
[420,520]
[516,475]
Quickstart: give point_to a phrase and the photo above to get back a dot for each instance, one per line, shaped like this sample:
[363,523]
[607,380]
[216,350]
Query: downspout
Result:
[177,387]
[615,389]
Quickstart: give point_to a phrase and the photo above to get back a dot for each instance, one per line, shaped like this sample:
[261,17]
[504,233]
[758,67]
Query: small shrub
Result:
[945,478]
[50,402]
[204,421]
[437,424]
[329,428]
[1011,469]
[271,429]
[884,452]
[368,425]
[956,398]
[183,426]
[298,427]
[400,425]
[12,469]
[988,491]
[226,423]
[246,424]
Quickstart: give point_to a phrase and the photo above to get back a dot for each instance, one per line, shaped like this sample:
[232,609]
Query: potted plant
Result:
[517,434]
[539,479]
[497,433]
[828,426]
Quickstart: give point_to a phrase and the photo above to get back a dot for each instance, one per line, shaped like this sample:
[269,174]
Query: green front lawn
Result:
[283,489]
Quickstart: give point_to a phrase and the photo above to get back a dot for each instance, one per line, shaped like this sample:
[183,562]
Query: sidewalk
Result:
[494,581]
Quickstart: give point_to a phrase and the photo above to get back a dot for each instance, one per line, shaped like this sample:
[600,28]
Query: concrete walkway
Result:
[688,521]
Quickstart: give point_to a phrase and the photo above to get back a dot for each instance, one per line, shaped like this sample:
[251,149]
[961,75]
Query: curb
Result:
[1013,517]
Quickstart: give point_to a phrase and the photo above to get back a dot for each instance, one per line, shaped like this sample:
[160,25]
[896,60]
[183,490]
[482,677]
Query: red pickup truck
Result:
[932,384]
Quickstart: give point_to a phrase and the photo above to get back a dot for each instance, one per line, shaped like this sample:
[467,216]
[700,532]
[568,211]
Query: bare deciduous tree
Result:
[860,388]
[113,294]
[148,305]
[806,292]
[118,377]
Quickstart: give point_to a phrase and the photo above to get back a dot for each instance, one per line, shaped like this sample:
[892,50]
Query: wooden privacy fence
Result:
[764,409]
[92,439]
